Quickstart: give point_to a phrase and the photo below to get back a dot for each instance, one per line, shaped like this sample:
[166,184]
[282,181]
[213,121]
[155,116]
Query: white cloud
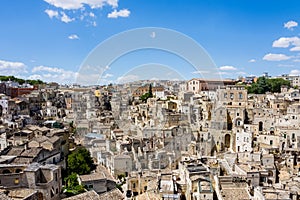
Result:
[222,73]
[285,65]
[295,72]
[275,57]
[107,68]
[62,16]
[252,61]
[201,72]
[73,37]
[52,13]
[285,42]
[113,3]
[297,48]
[241,73]
[228,68]
[79,4]
[107,75]
[120,13]
[296,60]
[83,10]
[127,78]
[65,18]
[12,68]
[47,69]
[35,77]
[290,25]
[53,74]
[92,14]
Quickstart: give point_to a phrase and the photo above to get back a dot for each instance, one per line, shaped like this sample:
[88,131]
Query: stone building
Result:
[45,179]
[98,182]
[198,85]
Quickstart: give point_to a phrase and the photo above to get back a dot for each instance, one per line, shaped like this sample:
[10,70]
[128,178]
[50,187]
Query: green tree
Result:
[72,186]
[276,84]
[80,162]
[71,181]
[144,97]
[34,82]
[150,91]
[20,81]
[147,95]
[264,85]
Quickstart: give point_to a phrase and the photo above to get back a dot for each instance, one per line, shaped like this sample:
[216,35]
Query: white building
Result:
[243,141]
[51,111]
[3,141]
[159,94]
[121,164]
[3,104]
[295,80]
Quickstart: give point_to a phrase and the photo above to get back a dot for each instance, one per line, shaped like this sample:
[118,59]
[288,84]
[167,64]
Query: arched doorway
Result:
[260,126]
[227,140]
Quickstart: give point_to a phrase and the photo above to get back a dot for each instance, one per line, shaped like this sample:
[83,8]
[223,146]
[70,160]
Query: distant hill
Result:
[21,81]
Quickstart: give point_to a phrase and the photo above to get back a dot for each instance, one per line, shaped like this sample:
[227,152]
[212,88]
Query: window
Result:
[231,95]
[225,95]
[271,142]
[17,181]
[240,95]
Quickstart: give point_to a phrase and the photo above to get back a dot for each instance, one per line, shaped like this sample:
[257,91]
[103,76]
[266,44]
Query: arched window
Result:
[6,171]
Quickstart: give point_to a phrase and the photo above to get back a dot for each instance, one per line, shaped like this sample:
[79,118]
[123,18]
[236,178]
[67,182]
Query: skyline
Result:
[50,39]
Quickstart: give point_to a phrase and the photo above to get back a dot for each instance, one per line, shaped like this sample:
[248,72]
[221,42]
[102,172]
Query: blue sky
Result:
[50,39]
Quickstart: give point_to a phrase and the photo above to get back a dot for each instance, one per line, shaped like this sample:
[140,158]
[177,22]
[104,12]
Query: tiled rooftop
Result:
[90,195]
